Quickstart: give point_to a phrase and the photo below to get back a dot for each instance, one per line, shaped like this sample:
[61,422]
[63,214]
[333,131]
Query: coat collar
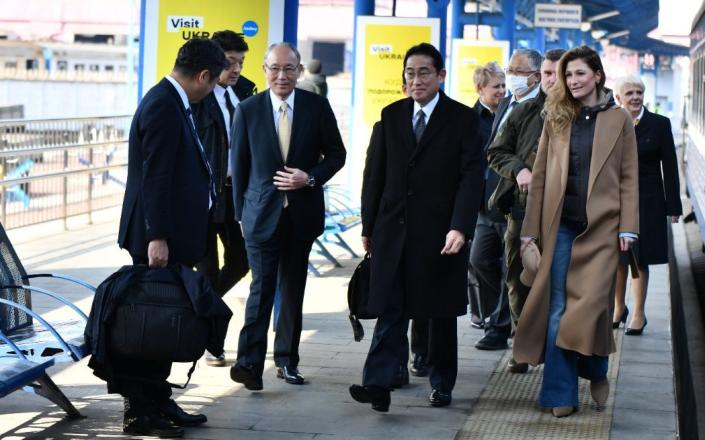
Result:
[434,125]
[608,128]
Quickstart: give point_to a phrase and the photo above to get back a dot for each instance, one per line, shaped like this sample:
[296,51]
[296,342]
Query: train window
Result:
[11,64]
[79,67]
[31,64]
[109,68]
[62,65]
[94,67]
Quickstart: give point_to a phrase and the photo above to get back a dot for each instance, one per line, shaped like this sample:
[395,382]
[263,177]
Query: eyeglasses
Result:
[511,71]
[421,74]
[288,70]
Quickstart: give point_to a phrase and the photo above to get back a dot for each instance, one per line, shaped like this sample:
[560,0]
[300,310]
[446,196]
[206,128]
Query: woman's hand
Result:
[525,241]
[675,218]
[625,243]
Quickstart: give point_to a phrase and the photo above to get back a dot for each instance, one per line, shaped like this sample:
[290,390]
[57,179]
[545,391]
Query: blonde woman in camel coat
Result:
[582,210]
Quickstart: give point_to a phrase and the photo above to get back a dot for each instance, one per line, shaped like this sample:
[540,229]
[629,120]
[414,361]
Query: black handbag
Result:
[156,321]
[358,294]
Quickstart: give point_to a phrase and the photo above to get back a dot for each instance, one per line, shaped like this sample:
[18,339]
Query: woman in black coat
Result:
[659,200]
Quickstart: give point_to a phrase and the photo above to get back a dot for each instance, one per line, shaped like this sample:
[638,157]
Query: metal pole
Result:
[439,9]
[456,27]
[90,187]
[506,30]
[291,21]
[362,7]
[65,198]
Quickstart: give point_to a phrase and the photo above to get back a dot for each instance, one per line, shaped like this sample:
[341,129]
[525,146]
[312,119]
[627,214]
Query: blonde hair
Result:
[561,107]
[629,80]
[483,74]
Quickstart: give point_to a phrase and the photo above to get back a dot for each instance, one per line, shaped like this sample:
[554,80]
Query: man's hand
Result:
[454,242]
[158,253]
[290,179]
[625,243]
[366,243]
[675,218]
[524,180]
[525,241]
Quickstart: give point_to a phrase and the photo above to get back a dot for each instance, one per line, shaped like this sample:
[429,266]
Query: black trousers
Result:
[234,254]
[486,258]
[143,383]
[284,260]
[387,349]
[419,340]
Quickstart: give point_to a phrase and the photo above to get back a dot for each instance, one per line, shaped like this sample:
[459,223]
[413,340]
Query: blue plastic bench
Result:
[28,342]
[18,372]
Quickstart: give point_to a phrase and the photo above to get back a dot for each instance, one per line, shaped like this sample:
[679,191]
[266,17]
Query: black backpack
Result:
[358,293]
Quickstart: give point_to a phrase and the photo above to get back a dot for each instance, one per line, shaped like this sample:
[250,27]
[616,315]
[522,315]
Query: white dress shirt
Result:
[276,104]
[427,110]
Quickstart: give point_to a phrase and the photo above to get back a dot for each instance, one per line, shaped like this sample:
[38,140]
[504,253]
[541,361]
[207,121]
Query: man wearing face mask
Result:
[523,79]
[512,155]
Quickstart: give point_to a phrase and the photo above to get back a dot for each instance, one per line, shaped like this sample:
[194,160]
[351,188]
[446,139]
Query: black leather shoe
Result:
[170,410]
[290,375]
[377,396]
[622,319]
[151,425]
[419,368]
[246,376]
[438,398]
[401,378]
[491,343]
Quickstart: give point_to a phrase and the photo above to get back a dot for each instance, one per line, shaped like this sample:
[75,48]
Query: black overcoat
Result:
[659,187]
[413,195]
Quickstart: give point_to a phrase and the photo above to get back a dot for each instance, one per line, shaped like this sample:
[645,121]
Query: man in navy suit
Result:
[165,216]
[285,146]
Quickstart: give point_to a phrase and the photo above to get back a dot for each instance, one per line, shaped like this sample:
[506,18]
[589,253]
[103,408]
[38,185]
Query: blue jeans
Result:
[562,367]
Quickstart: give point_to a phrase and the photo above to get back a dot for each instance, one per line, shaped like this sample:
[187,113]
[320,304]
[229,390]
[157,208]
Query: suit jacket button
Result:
[401,220]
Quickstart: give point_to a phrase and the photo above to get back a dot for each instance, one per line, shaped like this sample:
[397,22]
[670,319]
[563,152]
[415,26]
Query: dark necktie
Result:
[420,125]
[229,105]
[194,133]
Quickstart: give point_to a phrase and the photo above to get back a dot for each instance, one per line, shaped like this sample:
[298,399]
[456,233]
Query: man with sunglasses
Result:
[285,147]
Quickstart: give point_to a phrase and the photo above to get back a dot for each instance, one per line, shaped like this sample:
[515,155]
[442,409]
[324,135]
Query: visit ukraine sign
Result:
[381,43]
[168,24]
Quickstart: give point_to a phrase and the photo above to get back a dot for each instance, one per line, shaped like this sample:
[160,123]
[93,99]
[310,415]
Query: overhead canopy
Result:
[625,22]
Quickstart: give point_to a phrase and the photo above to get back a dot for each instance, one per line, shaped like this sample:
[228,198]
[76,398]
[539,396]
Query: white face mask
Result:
[518,85]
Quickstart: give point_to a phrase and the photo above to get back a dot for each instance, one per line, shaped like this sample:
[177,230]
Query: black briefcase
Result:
[358,294]
[156,321]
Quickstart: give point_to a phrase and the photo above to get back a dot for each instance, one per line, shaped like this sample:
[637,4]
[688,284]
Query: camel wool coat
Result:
[612,207]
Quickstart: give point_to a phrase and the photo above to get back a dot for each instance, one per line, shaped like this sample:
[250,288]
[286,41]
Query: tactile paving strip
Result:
[508,408]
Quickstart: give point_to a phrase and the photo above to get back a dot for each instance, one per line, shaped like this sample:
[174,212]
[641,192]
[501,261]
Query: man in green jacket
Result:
[512,155]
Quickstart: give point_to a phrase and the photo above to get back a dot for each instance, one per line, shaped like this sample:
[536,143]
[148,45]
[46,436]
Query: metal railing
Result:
[52,169]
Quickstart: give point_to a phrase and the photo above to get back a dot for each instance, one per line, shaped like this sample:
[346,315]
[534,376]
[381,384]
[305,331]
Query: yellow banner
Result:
[181,20]
[467,55]
[385,46]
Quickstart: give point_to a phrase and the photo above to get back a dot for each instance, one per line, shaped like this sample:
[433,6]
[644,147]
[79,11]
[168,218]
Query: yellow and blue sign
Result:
[466,56]
[168,24]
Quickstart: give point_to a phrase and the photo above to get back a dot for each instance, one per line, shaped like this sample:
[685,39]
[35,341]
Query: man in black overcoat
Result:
[420,206]
[285,147]
[165,216]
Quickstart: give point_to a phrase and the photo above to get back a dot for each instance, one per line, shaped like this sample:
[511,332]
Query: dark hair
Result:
[199,54]
[429,51]
[229,40]
[554,55]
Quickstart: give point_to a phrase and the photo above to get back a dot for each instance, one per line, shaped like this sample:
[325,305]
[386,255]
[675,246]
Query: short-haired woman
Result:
[659,199]
[490,84]
[582,210]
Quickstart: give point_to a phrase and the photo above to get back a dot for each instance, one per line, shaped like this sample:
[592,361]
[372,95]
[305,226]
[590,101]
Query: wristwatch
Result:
[311,181]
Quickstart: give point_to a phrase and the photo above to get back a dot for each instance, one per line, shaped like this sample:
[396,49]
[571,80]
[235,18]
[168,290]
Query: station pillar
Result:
[362,7]
[506,30]
[439,9]
[456,24]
